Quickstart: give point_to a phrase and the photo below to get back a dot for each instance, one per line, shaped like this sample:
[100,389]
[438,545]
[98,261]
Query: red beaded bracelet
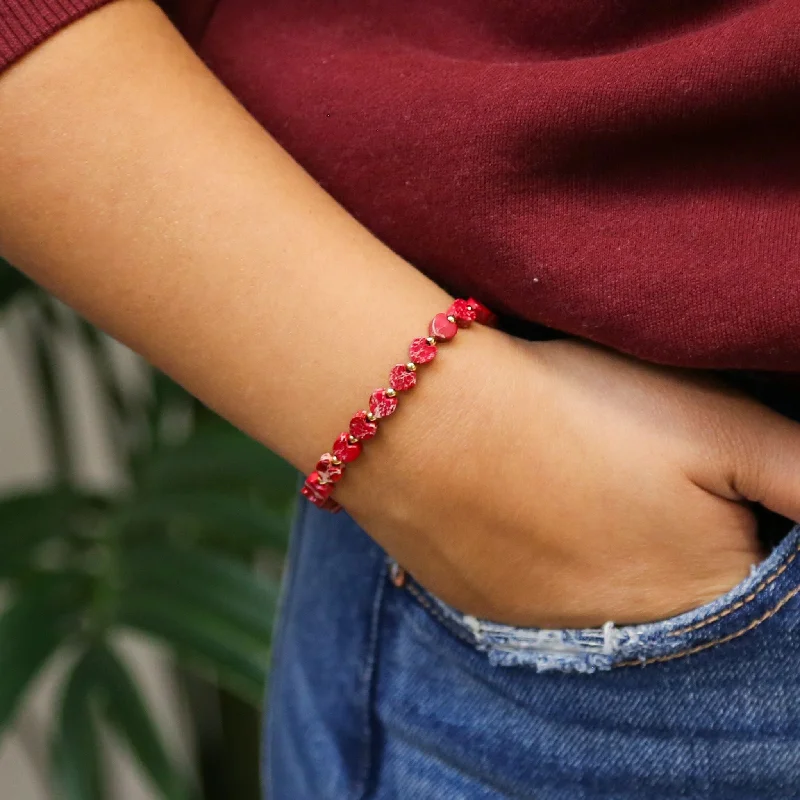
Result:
[319,485]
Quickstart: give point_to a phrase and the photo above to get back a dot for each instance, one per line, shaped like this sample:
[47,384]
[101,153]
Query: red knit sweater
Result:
[623,170]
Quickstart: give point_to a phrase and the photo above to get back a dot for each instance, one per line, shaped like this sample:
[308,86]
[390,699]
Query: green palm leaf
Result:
[224,587]
[221,459]
[76,752]
[124,707]
[31,628]
[28,519]
[12,283]
[221,517]
[201,639]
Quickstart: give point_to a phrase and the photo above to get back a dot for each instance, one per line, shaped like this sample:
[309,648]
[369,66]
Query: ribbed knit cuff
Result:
[26,23]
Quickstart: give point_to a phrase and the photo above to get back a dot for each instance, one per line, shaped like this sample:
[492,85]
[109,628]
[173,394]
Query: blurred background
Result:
[141,546]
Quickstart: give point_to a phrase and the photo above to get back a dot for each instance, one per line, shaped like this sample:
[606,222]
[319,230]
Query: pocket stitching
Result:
[706,645]
[740,603]
[428,606]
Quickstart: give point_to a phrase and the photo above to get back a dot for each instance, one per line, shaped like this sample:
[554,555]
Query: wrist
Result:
[384,400]
[441,435]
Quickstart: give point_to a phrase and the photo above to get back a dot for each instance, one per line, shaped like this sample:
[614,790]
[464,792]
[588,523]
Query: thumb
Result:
[767,465]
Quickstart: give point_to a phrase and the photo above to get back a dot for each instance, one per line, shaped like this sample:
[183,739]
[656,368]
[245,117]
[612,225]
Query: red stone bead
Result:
[420,352]
[464,314]
[344,450]
[401,378]
[319,502]
[482,314]
[442,329]
[327,470]
[315,490]
[381,405]
[310,495]
[331,505]
[361,427]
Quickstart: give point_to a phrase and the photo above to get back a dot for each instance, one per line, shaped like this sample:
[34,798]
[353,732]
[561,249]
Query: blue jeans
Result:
[381,691]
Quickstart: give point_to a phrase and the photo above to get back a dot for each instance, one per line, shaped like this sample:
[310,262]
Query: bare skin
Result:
[559,484]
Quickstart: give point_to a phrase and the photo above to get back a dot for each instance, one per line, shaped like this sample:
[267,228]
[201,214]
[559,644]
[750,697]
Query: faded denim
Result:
[765,592]
[384,692]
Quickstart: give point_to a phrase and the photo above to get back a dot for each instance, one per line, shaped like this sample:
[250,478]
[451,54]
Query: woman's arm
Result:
[137,189]
[553,484]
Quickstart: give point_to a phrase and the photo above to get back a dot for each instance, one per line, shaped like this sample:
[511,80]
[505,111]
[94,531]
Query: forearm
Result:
[138,190]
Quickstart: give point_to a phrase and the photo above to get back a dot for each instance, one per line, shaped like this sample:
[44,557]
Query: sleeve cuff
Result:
[26,23]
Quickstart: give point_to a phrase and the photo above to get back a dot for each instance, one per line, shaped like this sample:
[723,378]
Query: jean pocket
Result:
[770,586]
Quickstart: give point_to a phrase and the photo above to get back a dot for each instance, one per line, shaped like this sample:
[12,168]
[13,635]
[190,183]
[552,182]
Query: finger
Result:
[767,468]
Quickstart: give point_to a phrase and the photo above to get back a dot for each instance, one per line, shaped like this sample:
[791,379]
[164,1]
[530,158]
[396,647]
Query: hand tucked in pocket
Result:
[561,484]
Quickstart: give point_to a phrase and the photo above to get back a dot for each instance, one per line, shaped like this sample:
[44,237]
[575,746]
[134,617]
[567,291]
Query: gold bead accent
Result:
[370,416]
[336,461]
[470,307]
[430,340]
[451,318]
[352,439]
[411,366]
[390,392]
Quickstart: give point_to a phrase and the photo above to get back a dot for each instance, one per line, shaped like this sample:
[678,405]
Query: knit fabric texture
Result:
[626,171]
[26,23]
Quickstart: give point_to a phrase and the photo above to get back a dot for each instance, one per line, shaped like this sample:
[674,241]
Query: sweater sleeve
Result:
[26,23]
